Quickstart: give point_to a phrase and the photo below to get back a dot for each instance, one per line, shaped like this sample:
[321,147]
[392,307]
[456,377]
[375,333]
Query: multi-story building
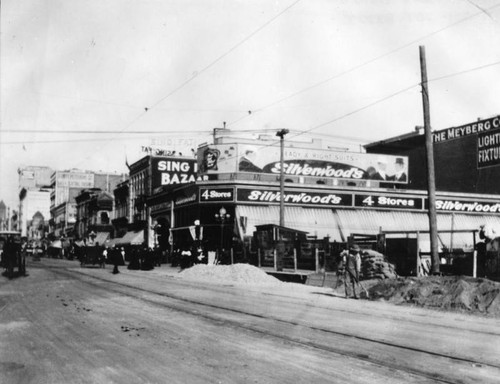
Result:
[66,185]
[93,215]
[121,211]
[4,222]
[34,207]
[34,196]
[334,195]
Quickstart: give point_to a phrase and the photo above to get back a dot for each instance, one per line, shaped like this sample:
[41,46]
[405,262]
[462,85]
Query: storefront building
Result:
[327,194]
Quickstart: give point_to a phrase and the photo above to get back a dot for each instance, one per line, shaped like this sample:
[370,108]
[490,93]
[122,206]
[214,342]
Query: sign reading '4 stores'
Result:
[375,201]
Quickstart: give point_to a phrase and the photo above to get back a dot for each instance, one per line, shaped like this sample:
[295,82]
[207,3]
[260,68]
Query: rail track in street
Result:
[397,356]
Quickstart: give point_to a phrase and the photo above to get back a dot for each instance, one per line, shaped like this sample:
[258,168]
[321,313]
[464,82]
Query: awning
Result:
[56,244]
[132,238]
[101,237]
[339,224]
[371,222]
[317,222]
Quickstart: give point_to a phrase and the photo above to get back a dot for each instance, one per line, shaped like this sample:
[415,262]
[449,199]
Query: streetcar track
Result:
[306,303]
[253,328]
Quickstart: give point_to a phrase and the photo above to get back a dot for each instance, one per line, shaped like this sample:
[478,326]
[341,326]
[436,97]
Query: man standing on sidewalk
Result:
[352,269]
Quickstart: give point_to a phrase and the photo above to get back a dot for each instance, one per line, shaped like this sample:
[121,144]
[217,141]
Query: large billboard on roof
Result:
[231,158]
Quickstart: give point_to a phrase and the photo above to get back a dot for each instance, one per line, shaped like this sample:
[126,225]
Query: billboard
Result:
[231,158]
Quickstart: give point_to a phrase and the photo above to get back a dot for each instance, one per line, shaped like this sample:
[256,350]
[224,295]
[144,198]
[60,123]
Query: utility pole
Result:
[281,134]
[431,180]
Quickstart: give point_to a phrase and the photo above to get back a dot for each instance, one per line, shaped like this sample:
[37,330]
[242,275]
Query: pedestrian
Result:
[340,268]
[119,256]
[352,265]
[104,257]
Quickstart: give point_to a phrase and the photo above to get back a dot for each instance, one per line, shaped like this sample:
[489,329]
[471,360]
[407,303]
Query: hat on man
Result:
[354,248]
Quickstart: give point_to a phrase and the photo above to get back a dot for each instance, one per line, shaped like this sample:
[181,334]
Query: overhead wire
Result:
[352,69]
[182,85]
[378,101]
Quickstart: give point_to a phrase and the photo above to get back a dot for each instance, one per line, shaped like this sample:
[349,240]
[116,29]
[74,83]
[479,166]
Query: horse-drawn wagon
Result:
[12,256]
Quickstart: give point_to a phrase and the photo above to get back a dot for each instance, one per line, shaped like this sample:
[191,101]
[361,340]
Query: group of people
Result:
[144,258]
[188,257]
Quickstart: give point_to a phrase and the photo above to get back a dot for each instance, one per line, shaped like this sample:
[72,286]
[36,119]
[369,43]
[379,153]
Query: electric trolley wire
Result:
[378,101]
[299,133]
[257,110]
[146,109]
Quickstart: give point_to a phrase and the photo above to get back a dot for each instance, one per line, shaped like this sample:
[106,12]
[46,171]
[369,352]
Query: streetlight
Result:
[281,134]
[221,218]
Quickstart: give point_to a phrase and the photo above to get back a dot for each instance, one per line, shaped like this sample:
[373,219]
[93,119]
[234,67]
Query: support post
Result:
[316,257]
[431,182]
[295,259]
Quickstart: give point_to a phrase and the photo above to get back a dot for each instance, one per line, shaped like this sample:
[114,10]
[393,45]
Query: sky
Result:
[86,84]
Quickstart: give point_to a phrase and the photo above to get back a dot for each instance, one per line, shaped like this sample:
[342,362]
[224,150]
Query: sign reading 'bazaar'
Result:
[173,170]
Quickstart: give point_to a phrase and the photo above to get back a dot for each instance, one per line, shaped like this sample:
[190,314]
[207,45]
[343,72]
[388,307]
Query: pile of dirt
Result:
[375,266]
[236,273]
[455,293]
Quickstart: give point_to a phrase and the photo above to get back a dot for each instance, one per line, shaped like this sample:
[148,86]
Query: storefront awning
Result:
[317,222]
[101,237]
[133,238]
[372,222]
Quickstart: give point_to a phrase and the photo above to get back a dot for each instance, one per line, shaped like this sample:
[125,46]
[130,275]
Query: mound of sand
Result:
[236,273]
[456,293]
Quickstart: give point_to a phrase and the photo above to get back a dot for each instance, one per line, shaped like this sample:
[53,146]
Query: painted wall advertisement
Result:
[487,135]
[230,158]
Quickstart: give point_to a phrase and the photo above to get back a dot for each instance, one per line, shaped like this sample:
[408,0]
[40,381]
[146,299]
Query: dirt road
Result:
[65,324]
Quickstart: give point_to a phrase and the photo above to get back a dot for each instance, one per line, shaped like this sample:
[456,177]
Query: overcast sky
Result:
[346,71]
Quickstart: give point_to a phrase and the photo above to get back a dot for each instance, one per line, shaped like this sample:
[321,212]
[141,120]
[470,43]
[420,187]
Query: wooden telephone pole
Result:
[431,180]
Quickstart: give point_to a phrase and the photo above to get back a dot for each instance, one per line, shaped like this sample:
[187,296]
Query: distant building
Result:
[34,195]
[32,177]
[33,201]
[3,216]
[93,215]
[66,186]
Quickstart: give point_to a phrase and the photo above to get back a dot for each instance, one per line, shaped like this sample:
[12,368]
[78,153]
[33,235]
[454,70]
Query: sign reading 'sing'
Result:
[173,170]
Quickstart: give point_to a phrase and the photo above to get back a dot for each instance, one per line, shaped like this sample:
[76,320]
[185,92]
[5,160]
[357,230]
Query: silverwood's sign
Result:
[306,198]
[452,205]
[301,162]
[376,201]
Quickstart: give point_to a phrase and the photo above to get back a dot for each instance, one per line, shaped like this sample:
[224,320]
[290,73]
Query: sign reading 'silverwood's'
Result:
[302,162]
[377,201]
[295,197]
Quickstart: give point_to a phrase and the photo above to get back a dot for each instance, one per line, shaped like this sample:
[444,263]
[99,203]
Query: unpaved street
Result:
[66,324]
